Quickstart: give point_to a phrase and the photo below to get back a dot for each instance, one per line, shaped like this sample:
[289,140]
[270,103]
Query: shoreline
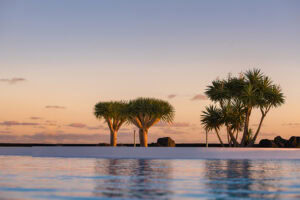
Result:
[277,142]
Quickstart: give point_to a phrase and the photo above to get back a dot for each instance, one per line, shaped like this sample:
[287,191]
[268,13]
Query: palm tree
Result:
[272,98]
[261,93]
[251,97]
[145,112]
[225,93]
[239,96]
[211,119]
[115,115]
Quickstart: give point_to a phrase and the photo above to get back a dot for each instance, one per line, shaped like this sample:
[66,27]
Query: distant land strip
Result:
[105,144]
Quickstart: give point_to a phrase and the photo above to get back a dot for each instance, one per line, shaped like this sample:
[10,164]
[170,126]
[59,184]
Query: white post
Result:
[206,139]
[134,139]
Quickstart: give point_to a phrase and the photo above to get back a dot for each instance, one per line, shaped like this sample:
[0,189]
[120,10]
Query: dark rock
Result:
[294,142]
[280,142]
[267,143]
[166,142]
[103,144]
[154,145]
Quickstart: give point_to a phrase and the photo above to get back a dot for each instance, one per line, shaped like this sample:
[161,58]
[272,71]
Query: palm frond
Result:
[116,110]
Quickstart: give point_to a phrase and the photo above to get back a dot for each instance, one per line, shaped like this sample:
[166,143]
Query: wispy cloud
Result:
[77,125]
[40,127]
[95,127]
[175,124]
[172,131]
[59,137]
[12,80]
[172,96]
[35,118]
[291,124]
[50,123]
[15,123]
[199,97]
[256,125]
[55,107]
[85,126]
[180,124]
[5,132]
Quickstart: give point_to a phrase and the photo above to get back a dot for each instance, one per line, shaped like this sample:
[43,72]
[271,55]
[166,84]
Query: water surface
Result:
[77,178]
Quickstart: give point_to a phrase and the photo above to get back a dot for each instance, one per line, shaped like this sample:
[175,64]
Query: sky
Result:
[59,58]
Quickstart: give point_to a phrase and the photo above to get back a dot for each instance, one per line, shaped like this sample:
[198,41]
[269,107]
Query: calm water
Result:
[61,178]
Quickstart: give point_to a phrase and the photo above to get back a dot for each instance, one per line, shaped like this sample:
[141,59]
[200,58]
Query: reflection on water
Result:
[133,179]
[247,179]
[227,177]
[61,178]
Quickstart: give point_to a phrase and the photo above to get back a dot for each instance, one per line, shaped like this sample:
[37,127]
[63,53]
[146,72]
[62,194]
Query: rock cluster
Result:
[164,142]
[279,142]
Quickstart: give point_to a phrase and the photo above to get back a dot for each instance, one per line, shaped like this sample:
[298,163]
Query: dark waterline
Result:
[104,144]
[64,178]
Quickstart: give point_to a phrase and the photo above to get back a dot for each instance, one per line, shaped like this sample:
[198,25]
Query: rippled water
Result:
[63,178]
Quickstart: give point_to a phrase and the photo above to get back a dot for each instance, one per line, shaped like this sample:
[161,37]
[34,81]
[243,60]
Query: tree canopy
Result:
[145,112]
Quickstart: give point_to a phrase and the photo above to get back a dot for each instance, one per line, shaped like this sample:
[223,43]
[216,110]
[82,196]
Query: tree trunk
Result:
[113,138]
[231,143]
[237,136]
[232,138]
[143,137]
[251,143]
[221,142]
[246,127]
[228,140]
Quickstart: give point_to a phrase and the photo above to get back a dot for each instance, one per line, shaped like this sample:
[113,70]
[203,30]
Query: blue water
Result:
[63,178]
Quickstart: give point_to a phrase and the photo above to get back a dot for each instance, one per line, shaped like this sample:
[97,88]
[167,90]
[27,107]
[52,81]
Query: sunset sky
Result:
[59,58]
